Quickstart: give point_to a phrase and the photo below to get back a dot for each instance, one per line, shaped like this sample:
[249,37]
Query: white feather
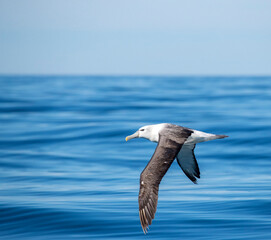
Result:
[198,136]
[151,132]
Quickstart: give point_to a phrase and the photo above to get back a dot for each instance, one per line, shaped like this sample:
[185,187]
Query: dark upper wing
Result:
[187,161]
[165,153]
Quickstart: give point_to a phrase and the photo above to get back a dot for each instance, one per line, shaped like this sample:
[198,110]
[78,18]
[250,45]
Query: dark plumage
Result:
[164,155]
[173,142]
[188,162]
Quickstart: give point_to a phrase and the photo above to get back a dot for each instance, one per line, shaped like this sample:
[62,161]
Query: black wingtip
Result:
[192,177]
[195,181]
[222,136]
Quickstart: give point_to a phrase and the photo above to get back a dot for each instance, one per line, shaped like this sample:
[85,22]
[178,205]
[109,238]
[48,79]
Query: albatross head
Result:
[150,132]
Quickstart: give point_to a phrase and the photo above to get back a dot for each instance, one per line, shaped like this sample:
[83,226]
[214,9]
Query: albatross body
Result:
[173,142]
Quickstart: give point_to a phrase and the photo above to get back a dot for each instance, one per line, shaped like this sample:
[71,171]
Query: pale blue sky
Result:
[139,37]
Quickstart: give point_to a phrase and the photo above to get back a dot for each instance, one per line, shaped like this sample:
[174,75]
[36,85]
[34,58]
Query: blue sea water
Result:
[66,171]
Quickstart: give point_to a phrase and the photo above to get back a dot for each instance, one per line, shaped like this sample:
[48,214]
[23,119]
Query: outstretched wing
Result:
[150,178]
[187,161]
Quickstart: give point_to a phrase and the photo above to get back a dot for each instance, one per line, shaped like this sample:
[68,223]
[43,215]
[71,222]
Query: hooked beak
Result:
[135,135]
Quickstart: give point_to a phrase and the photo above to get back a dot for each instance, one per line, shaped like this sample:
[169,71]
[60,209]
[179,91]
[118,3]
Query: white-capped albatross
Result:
[173,142]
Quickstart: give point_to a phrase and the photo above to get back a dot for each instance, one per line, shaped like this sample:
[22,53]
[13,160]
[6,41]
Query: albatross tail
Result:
[209,137]
[198,137]
[220,136]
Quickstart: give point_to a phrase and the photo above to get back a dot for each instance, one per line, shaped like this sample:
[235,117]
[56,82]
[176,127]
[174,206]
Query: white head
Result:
[150,132]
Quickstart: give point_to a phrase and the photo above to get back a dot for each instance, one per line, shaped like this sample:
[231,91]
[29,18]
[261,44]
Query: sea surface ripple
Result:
[66,171]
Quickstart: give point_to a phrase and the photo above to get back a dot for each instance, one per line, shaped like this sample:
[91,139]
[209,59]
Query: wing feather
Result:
[188,163]
[165,153]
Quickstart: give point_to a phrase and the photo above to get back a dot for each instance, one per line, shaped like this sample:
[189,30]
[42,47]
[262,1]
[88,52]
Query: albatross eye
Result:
[141,129]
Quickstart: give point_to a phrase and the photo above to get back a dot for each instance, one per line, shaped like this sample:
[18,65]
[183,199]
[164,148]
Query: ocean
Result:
[66,171]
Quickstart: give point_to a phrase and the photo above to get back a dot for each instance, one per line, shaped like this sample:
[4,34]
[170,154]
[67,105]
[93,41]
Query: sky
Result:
[135,37]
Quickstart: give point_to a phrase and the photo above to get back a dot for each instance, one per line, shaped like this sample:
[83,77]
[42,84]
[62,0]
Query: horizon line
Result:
[129,75]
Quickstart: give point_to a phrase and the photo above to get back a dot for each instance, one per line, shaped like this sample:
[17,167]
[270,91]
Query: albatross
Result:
[173,142]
